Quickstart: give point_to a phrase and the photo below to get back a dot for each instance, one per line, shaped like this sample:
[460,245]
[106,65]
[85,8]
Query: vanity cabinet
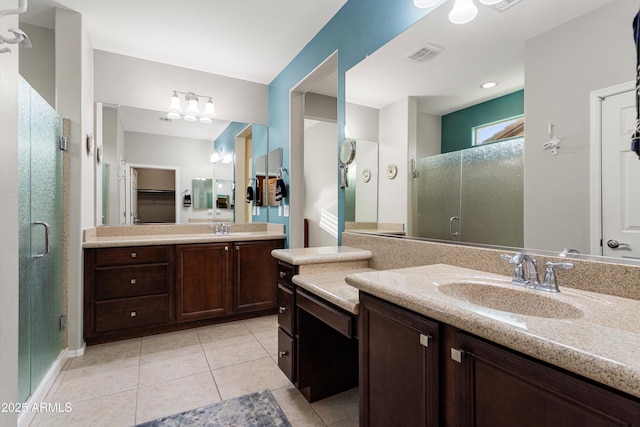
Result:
[203,286]
[462,380]
[497,387]
[254,272]
[286,320]
[398,366]
[127,289]
[137,291]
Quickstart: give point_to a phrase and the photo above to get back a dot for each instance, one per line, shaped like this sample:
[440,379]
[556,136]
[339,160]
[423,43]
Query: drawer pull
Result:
[133,314]
[283,274]
[133,281]
[282,354]
[457,355]
[134,255]
[282,309]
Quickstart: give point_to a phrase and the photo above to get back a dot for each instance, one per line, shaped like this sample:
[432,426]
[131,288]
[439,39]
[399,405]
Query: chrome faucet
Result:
[525,272]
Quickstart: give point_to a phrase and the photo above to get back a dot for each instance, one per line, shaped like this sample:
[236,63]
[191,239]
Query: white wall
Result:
[37,64]
[366,192]
[562,67]
[362,122]
[396,145]
[429,135]
[9,220]
[321,183]
[191,156]
[74,90]
[145,84]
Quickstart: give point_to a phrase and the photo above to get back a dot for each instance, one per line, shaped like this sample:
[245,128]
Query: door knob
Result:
[614,244]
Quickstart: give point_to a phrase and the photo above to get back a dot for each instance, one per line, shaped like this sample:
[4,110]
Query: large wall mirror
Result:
[547,57]
[143,144]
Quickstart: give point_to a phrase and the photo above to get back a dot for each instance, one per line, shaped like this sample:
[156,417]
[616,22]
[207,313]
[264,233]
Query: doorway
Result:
[151,194]
[314,147]
[616,214]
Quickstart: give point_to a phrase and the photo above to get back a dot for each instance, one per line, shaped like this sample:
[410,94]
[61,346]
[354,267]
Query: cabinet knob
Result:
[134,255]
[133,314]
[283,274]
[226,248]
[282,309]
[282,354]
[133,281]
[237,248]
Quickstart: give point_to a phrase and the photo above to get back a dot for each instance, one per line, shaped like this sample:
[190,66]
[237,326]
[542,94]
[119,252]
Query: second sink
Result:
[517,301]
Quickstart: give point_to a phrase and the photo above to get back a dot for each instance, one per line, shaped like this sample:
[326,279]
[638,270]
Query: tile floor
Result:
[137,380]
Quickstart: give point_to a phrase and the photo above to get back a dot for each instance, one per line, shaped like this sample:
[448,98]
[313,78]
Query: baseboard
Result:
[41,391]
[78,352]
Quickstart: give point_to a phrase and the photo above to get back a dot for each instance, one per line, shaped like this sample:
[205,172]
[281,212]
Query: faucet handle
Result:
[518,271]
[550,283]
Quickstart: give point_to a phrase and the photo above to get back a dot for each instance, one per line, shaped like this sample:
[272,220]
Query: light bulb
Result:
[228,158]
[463,11]
[175,106]
[172,115]
[204,119]
[490,2]
[214,157]
[209,110]
[426,3]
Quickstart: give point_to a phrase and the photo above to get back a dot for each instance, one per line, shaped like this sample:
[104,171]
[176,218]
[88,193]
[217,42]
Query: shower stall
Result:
[473,195]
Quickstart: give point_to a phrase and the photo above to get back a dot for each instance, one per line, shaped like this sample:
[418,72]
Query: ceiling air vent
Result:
[425,53]
[504,5]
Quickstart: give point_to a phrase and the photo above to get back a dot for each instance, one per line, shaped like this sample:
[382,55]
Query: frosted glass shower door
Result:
[40,254]
[436,193]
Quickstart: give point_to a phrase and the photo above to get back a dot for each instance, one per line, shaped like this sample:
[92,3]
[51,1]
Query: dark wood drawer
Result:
[286,357]
[131,281]
[338,319]
[132,255]
[285,308]
[131,313]
[285,273]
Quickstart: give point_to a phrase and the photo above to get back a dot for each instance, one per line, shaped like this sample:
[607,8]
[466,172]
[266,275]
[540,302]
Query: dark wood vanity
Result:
[141,290]
[416,371]
[317,341]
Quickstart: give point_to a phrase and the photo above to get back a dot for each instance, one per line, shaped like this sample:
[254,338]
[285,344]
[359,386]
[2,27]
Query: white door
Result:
[620,178]
[133,194]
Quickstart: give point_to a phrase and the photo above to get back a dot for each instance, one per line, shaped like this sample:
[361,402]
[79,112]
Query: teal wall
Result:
[457,127]
[358,29]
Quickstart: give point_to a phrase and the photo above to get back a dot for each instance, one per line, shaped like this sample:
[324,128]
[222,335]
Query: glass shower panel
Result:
[492,194]
[40,238]
[436,196]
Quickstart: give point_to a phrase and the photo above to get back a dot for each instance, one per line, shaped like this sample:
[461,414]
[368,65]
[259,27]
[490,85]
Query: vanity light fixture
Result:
[464,11]
[193,110]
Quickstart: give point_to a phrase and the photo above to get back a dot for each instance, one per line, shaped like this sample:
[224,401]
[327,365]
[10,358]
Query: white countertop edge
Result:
[305,256]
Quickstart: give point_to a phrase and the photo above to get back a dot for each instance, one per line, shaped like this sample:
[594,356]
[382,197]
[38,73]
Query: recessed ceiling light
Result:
[489,85]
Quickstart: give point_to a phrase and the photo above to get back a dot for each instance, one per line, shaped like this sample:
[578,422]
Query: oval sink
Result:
[511,300]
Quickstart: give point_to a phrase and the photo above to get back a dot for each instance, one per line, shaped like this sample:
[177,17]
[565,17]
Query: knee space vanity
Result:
[140,280]
[429,353]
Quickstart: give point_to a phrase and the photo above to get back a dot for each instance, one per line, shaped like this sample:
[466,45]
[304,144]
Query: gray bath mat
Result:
[251,410]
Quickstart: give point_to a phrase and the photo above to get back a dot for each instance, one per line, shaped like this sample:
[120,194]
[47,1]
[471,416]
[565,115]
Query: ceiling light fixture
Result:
[489,85]
[463,11]
[193,110]
[425,3]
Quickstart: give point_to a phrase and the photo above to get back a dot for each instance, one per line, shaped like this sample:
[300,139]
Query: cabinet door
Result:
[255,275]
[496,387]
[203,281]
[398,366]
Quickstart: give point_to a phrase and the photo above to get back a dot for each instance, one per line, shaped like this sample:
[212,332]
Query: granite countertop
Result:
[169,234]
[600,340]
[324,254]
[171,239]
[331,287]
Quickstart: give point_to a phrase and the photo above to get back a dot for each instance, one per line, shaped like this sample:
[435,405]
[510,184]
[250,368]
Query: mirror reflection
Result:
[201,158]
[417,108]
[361,190]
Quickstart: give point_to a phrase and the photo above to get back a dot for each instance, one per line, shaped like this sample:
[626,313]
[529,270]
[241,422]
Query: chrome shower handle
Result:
[46,239]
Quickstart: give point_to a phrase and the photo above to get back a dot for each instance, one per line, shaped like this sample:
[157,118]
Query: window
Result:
[498,131]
